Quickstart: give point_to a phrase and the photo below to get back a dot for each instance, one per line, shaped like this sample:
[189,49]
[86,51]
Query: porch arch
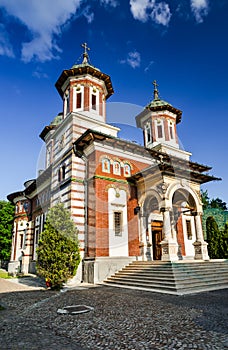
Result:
[185,188]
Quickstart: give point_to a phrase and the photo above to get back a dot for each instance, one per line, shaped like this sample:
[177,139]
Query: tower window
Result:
[171,131]
[94,102]
[67,102]
[21,243]
[148,133]
[118,223]
[78,100]
[160,133]
[62,173]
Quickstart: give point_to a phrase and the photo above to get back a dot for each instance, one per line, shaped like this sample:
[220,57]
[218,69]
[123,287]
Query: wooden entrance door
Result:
[156,227]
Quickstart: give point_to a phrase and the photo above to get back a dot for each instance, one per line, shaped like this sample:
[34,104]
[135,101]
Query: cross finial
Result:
[156,97]
[85,54]
[85,46]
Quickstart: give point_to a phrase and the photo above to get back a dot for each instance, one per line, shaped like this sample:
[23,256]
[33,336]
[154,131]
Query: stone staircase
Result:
[177,278]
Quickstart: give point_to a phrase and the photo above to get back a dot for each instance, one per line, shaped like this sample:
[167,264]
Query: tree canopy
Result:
[58,253]
[216,226]
[214,203]
[6,225]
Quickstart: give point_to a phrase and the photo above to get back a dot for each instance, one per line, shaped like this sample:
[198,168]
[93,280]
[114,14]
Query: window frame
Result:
[129,167]
[118,223]
[107,161]
[188,225]
[116,172]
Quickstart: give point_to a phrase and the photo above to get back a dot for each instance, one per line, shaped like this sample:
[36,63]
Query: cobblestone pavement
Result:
[122,319]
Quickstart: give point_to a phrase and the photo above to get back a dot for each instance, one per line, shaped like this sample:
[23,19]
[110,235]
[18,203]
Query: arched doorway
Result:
[155,224]
[183,222]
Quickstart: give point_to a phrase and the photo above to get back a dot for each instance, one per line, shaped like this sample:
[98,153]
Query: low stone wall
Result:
[98,269]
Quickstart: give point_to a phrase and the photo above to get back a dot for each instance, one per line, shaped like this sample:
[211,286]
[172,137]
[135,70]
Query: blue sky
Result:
[180,43]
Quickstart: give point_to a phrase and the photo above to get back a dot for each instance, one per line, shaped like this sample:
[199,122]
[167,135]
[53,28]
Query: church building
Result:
[128,201]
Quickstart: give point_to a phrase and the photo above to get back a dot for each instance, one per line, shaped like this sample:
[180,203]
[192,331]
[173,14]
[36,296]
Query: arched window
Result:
[78,99]
[148,133]
[106,165]
[127,170]
[116,168]
[67,102]
[62,173]
[94,98]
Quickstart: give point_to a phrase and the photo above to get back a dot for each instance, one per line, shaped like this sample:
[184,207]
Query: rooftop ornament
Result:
[156,93]
[85,54]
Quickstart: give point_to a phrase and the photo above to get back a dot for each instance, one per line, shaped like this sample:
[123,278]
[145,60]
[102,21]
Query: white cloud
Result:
[200,9]
[139,9]
[88,14]
[5,46]
[133,59]
[148,66]
[112,3]
[145,9]
[44,20]
[39,74]
[161,13]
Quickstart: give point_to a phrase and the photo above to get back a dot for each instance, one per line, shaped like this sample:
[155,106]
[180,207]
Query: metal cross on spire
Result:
[156,96]
[85,46]
[85,54]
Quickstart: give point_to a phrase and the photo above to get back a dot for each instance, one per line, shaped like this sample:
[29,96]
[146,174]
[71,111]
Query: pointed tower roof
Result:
[81,69]
[157,105]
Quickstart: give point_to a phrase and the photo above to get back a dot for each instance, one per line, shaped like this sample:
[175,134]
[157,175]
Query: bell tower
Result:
[85,89]
[158,121]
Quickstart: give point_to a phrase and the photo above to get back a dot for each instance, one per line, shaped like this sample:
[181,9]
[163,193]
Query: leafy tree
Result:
[58,253]
[205,199]
[213,239]
[218,203]
[6,224]
[214,203]
[224,246]
[217,239]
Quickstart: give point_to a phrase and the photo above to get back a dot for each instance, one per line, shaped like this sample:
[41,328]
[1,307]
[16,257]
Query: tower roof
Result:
[157,105]
[81,69]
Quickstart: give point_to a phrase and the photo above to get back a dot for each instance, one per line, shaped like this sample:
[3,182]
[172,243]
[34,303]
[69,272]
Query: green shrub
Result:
[58,253]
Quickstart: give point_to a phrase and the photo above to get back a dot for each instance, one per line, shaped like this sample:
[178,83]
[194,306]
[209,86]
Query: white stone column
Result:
[199,230]
[143,237]
[169,245]
[200,245]
[166,225]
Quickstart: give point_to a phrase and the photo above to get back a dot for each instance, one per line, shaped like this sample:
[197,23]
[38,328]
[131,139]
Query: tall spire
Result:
[156,93]
[85,54]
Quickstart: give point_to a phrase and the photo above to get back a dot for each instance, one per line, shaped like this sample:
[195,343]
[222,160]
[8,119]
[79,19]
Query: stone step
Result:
[178,265]
[179,278]
[183,282]
[168,277]
[178,274]
[167,291]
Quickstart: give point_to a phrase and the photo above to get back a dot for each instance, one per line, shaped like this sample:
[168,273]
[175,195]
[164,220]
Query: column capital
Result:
[163,209]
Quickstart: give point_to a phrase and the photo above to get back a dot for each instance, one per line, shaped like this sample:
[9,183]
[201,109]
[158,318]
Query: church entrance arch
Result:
[154,228]
[183,221]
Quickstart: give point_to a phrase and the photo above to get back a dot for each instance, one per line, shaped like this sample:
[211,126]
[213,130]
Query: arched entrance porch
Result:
[172,227]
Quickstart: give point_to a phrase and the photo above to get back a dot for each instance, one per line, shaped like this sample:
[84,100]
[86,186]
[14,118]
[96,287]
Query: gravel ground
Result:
[121,319]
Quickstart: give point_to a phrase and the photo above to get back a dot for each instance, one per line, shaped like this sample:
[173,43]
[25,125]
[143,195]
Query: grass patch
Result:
[4,274]
[1,308]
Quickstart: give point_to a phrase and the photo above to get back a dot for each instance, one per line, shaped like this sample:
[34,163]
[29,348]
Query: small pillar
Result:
[200,245]
[169,245]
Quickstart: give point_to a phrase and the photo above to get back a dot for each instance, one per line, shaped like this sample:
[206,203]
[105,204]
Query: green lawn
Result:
[4,274]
